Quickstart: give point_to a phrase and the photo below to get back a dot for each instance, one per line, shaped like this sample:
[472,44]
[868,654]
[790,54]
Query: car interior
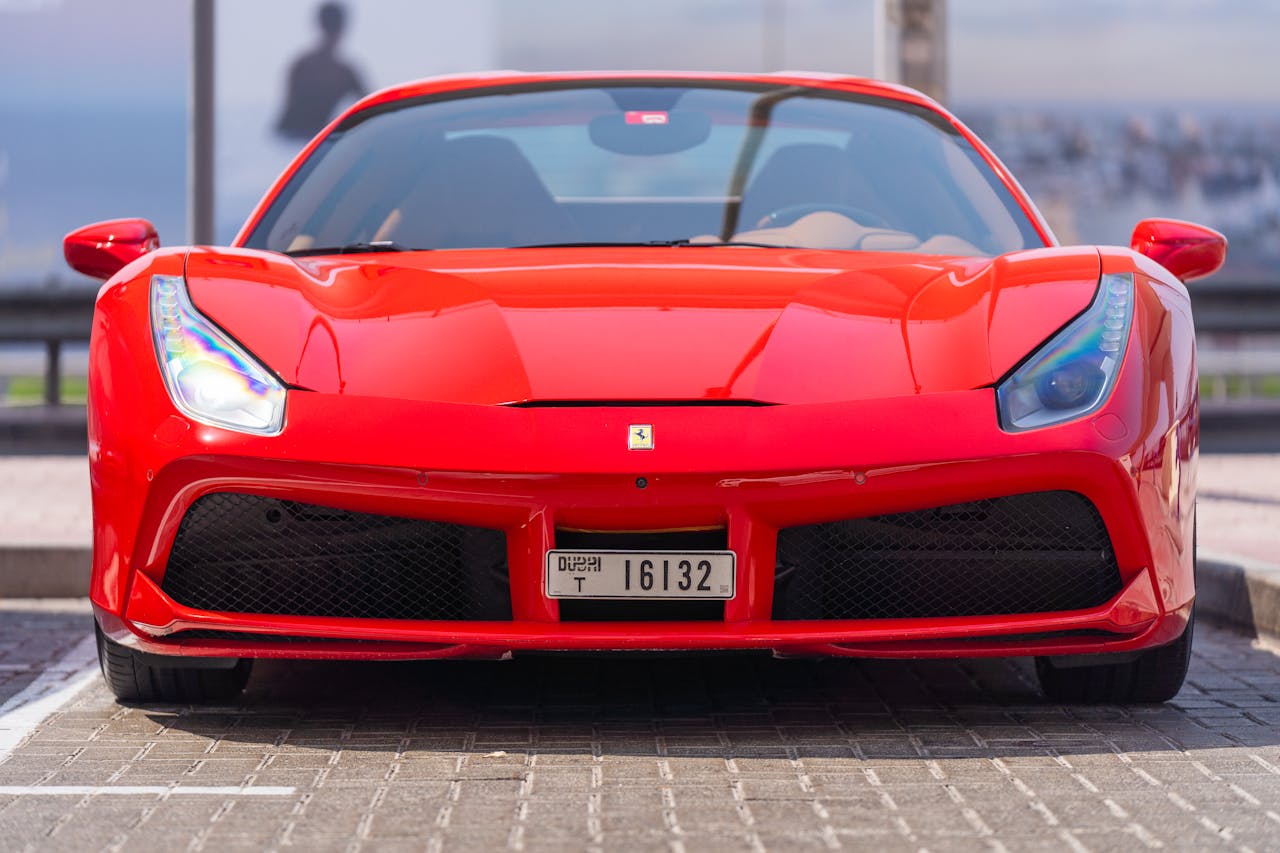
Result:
[490,185]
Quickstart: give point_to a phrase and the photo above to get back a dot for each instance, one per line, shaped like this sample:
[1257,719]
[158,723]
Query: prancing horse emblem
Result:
[640,437]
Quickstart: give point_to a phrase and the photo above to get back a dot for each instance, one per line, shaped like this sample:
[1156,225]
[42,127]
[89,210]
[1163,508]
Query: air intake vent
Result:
[1034,553]
[249,554]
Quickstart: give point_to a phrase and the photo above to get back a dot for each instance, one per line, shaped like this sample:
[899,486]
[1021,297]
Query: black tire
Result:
[136,677]
[1153,676]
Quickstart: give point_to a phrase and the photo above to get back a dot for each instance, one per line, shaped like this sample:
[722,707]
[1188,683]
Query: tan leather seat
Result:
[478,192]
[803,173]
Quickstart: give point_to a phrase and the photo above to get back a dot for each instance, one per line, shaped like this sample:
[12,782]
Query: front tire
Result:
[137,677]
[1153,676]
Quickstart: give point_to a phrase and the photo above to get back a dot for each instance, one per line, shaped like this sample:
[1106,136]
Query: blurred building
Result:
[918,32]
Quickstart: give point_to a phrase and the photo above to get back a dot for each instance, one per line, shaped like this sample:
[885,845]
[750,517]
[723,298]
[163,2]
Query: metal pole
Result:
[200,210]
[923,46]
[879,37]
[53,372]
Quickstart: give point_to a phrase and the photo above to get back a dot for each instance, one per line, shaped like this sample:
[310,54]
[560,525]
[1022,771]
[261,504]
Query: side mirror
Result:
[1183,248]
[102,249]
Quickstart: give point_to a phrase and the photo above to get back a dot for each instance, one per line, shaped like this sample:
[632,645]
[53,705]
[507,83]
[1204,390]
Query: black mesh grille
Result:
[1034,553]
[662,610]
[716,539]
[250,554]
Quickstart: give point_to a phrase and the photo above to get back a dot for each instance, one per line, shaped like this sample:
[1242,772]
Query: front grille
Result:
[250,554]
[1037,636]
[1034,553]
[715,539]
[658,610]
[652,610]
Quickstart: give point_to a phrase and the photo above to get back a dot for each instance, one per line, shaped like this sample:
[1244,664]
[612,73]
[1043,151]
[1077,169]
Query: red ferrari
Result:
[615,362]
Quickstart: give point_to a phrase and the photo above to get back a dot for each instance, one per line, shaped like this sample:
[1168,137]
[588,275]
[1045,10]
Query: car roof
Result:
[505,78]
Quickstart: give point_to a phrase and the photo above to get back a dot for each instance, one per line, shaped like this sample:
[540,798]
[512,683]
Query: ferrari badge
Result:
[640,437]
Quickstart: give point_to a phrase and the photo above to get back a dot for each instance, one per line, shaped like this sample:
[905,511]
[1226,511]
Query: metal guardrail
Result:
[51,317]
[55,316]
[1238,326]
[1236,307]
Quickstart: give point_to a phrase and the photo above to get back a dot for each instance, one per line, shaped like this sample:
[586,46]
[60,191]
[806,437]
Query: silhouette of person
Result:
[318,80]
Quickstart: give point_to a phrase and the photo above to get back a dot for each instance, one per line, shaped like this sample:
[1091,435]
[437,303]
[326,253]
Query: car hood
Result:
[642,324]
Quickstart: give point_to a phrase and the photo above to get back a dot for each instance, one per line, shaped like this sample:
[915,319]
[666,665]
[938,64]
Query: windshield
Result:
[627,164]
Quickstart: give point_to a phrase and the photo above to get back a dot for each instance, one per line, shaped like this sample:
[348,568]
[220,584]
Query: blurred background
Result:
[1107,112]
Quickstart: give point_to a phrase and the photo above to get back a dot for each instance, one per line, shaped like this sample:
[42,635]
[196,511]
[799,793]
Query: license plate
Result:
[640,574]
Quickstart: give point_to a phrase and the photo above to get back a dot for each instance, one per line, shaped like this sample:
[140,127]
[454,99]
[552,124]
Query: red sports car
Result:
[614,362]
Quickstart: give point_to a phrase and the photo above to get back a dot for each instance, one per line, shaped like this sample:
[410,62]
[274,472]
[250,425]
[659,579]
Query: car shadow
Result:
[733,705]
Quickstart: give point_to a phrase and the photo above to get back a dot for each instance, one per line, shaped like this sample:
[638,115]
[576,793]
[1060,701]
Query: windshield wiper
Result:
[358,248]
[729,243]
[591,244]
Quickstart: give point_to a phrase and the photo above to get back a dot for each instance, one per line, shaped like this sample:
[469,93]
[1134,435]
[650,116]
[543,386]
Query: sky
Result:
[112,51]
[1111,50]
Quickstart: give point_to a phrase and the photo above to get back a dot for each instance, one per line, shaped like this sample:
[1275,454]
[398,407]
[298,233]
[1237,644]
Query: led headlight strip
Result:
[1073,373]
[209,376]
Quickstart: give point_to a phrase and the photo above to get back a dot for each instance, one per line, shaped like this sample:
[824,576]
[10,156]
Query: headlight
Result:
[209,376]
[1073,373]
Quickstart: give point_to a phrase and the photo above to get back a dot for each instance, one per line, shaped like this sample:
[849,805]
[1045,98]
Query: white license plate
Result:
[640,574]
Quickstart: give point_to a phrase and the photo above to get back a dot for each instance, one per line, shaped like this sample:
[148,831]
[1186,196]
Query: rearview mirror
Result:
[102,249]
[649,132]
[1183,248]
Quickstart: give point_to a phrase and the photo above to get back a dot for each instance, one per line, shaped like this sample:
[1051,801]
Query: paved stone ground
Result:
[721,753]
[44,500]
[1239,504]
[704,753]
[34,635]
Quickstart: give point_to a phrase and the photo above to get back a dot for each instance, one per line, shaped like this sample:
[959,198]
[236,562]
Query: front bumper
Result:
[750,470]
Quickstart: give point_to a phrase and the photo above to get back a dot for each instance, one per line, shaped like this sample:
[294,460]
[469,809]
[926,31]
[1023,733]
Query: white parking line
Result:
[52,689]
[57,686]
[146,790]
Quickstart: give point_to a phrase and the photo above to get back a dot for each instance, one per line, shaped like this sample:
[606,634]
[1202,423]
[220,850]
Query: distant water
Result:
[63,166]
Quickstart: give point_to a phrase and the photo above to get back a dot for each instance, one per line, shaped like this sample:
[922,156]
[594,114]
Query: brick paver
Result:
[44,500]
[34,634]
[697,753]
[1239,505]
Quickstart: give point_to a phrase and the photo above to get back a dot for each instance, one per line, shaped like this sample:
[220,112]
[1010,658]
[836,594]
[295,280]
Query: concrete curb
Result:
[1232,590]
[1240,592]
[44,571]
